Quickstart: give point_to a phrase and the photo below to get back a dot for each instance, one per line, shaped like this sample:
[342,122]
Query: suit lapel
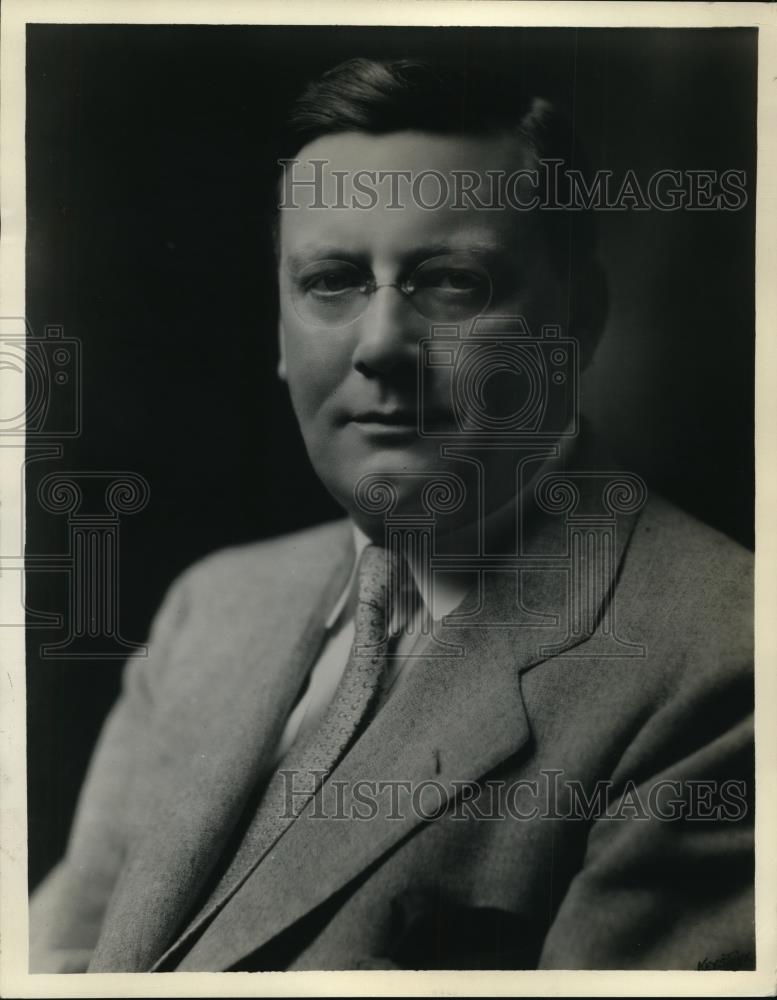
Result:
[450,721]
[220,727]
[432,729]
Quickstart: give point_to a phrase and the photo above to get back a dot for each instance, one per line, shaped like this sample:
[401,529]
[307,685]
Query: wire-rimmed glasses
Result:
[445,288]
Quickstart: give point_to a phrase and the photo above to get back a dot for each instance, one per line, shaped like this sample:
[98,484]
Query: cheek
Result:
[317,362]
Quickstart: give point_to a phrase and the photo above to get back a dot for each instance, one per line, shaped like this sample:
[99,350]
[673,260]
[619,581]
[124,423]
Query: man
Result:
[499,717]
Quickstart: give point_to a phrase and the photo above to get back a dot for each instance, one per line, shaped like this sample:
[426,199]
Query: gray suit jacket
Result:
[536,693]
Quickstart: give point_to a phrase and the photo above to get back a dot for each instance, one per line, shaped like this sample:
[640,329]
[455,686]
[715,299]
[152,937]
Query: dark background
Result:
[149,153]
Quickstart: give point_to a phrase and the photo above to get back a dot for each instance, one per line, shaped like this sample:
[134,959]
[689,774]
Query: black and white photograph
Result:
[379,486]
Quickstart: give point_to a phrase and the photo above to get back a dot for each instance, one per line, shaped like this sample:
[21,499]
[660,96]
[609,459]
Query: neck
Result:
[482,526]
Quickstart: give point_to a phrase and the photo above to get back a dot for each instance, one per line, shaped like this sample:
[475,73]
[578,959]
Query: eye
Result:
[451,280]
[333,282]
[331,279]
[453,277]
[460,281]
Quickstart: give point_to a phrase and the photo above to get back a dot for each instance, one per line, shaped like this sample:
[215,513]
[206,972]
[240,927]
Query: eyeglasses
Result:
[446,288]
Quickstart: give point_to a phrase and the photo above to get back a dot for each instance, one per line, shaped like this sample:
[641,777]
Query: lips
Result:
[400,418]
[402,423]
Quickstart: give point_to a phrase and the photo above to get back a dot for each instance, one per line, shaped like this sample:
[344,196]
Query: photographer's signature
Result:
[731,961]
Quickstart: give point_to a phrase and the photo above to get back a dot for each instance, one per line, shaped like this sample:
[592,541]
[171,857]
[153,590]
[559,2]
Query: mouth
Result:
[391,424]
[399,421]
[387,418]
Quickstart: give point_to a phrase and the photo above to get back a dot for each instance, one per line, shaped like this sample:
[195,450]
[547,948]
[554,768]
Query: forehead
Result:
[380,194]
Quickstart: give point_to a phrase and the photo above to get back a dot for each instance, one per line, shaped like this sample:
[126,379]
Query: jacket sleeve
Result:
[668,882]
[67,908]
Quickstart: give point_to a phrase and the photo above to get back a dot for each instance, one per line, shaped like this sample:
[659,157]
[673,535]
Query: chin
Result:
[407,468]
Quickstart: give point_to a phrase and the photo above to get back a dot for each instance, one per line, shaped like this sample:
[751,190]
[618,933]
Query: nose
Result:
[389,331]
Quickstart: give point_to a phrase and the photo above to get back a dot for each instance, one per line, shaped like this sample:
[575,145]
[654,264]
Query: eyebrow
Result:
[460,243]
[319,251]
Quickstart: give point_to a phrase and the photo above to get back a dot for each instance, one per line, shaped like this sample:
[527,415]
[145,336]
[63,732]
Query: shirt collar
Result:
[448,588]
[360,540]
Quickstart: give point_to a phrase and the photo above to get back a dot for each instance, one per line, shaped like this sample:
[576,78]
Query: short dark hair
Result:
[378,96]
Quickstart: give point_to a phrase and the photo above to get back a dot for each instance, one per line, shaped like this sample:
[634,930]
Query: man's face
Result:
[354,381]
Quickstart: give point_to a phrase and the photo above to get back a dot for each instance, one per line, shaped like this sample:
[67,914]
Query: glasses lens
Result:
[329,292]
[450,287]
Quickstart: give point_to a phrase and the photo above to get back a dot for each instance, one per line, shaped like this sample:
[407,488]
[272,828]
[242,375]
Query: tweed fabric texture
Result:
[194,730]
[309,761]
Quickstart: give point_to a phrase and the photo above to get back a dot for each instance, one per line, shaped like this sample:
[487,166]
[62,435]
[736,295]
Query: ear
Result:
[281,353]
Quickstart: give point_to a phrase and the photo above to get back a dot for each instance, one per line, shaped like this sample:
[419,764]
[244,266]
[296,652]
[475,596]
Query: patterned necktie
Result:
[309,760]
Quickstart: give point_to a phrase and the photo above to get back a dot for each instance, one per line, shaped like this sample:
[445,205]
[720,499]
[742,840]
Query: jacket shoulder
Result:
[221,599]
[670,540]
[292,555]
[688,580]
[297,560]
